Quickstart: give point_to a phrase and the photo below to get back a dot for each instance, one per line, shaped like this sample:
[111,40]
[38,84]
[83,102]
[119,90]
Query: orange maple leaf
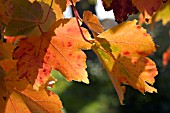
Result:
[122,51]
[59,49]
[92,22]
[149,6]
[17,95]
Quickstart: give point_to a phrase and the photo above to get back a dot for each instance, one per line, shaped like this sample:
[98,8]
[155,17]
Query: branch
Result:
[78,18]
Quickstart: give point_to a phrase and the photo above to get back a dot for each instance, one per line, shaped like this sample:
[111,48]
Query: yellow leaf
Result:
[163,13]
[122,51]
[127,39]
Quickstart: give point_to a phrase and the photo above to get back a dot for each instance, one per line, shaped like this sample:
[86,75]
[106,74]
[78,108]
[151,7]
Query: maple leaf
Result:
[6,50]
[6,11]
[59,6]
[122,50]
[163,13]
[26,17]
[92,22]
[60,51]
[10,101]
[65,50]
[6,68]
[17,95]
[121,8]
[16,104]
[150,7]
[166,57]
[47,20]
[21,97]
[40,101]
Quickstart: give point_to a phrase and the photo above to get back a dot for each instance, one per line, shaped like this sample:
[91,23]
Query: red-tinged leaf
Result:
[26,17]
[6,11]
[122,50]
[92,22]
[65,51]
[30,56]
[107,4]
[166,57]
[60,50]
[5,64]
[121,8]
[13,39]
[150,6]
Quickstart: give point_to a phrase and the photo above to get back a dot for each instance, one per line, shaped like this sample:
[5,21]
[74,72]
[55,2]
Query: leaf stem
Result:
[40,29]
[47,13]
[78,18]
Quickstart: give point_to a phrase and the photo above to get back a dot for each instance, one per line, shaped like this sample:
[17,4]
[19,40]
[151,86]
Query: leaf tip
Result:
[86,80]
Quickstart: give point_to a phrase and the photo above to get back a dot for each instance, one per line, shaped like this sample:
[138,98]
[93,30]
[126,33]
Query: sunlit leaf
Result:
[40,101]
[59,49]
[16,104]
[92,22]
[163,13]
[122,51]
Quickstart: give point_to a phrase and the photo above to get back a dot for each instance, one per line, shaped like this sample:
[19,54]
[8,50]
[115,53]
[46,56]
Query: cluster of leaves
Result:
[39,39]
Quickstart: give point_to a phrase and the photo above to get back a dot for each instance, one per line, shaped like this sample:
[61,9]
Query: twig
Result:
[78,18]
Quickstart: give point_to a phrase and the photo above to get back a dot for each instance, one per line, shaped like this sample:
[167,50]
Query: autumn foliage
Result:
[36,39]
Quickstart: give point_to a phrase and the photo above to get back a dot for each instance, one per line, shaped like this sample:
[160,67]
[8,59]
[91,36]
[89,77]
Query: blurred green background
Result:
[100,96]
